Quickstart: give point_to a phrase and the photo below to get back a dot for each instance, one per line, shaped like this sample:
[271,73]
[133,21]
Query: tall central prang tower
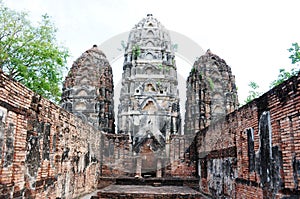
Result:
[149,102]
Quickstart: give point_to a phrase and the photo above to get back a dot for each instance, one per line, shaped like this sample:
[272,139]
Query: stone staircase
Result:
[150,188]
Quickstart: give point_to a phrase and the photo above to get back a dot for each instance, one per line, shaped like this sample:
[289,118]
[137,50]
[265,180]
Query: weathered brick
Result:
[279,155]
[34,168]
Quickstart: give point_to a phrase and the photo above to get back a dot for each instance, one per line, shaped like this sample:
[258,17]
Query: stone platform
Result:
[147,192]
[190,182]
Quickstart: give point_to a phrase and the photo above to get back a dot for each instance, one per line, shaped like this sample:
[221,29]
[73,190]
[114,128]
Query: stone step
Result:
[151,181]
[147,192]
[156,184]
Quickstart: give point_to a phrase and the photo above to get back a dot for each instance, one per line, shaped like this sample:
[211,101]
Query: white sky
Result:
[251,36]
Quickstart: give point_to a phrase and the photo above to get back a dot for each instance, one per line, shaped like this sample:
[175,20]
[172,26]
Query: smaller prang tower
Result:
[88,90]
[211,93]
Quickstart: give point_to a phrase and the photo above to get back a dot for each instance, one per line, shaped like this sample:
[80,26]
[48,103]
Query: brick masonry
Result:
[254,152]
[117,159]
[45,152]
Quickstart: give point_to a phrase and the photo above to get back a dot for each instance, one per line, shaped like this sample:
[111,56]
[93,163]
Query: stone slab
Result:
[139,191]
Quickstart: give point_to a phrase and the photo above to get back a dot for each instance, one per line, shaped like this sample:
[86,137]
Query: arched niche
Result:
[80,106]
[151,69]
[150,33]
[83,81]
[149,56]
[217,85]
[218,110]
[149,44]
[217,96]
[149,87]
[82,93]
[149,104]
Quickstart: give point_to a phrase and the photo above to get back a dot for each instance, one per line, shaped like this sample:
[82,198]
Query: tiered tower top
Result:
[149,40]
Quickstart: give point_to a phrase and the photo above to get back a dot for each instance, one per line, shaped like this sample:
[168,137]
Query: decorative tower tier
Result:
[149,101]
[88,90]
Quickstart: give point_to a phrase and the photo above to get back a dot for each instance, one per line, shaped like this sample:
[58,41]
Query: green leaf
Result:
[253,92]
[31,54]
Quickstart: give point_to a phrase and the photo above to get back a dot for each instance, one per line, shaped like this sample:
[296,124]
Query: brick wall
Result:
[255,151]
[118,160]
[116,157]
[45,152]
[181,158]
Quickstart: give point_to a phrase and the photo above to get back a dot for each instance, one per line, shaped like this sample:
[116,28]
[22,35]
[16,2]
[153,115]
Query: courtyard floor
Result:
[141,191]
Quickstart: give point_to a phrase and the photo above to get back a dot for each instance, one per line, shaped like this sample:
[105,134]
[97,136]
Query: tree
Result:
[295,50]
[253,93]
[285,74]
[30,54]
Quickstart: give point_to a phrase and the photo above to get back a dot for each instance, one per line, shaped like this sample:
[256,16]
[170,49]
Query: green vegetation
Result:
[211,83]
[160,66]
[285,74]
[200,75]
[136,51]
[253,93]
[282,76]
[295,50]
[167,68]
[158,83]
[30,54]
[193,70]
[175,47]
[123,46]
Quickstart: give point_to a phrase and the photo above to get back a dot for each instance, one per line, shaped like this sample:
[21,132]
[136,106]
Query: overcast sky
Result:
[251,36]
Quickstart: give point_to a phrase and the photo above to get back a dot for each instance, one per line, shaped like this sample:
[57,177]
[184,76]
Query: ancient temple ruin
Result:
[226,151]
